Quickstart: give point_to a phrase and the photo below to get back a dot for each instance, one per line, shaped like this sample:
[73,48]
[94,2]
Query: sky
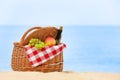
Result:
[60,12]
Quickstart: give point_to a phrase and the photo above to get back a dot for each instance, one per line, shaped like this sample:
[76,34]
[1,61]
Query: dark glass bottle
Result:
[58,36]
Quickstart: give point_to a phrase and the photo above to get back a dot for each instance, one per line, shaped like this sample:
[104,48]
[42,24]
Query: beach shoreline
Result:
[65,75]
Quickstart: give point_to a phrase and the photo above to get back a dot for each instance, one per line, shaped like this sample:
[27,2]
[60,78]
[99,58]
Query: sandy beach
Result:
[65,75]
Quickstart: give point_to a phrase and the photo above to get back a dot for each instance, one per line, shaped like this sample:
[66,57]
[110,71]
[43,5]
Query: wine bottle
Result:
[58,36]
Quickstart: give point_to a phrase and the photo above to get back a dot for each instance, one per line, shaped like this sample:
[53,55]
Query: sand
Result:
[66,75]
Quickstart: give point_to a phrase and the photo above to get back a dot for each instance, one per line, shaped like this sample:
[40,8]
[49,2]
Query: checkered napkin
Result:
[38,57]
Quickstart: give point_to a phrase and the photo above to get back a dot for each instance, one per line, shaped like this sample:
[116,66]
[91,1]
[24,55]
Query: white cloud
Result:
[62,12]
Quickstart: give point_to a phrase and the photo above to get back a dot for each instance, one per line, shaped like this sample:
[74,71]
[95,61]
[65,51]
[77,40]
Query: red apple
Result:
[50,41]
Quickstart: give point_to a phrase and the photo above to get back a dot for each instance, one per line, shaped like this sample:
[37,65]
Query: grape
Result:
[33,41]
[46,44]
[38,44]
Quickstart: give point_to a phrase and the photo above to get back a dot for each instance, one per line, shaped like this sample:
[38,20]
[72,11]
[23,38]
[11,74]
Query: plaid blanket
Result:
[38,57]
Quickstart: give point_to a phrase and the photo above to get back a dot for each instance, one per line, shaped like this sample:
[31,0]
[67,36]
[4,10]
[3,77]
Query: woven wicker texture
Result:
[20,61]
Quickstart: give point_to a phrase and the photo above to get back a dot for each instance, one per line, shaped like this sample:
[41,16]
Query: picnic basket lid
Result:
[39,32]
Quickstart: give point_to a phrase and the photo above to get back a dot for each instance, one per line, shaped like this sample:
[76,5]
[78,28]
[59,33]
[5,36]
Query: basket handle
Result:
[26,33]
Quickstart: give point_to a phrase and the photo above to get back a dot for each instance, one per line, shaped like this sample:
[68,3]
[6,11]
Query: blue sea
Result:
[89,48]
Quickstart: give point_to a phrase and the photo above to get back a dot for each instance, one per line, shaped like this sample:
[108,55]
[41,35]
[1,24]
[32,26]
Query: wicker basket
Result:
[20,61]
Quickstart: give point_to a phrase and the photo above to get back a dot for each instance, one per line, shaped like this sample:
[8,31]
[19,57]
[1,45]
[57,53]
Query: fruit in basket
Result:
[40,46]
[36,43]
[37,46]
[50,41]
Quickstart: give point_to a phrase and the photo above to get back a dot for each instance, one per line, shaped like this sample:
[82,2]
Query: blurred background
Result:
[91,30]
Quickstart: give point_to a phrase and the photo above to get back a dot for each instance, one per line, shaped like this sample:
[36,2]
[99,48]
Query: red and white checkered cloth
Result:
[38,57]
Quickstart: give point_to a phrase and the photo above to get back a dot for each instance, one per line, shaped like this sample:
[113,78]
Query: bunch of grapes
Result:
[37,43]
